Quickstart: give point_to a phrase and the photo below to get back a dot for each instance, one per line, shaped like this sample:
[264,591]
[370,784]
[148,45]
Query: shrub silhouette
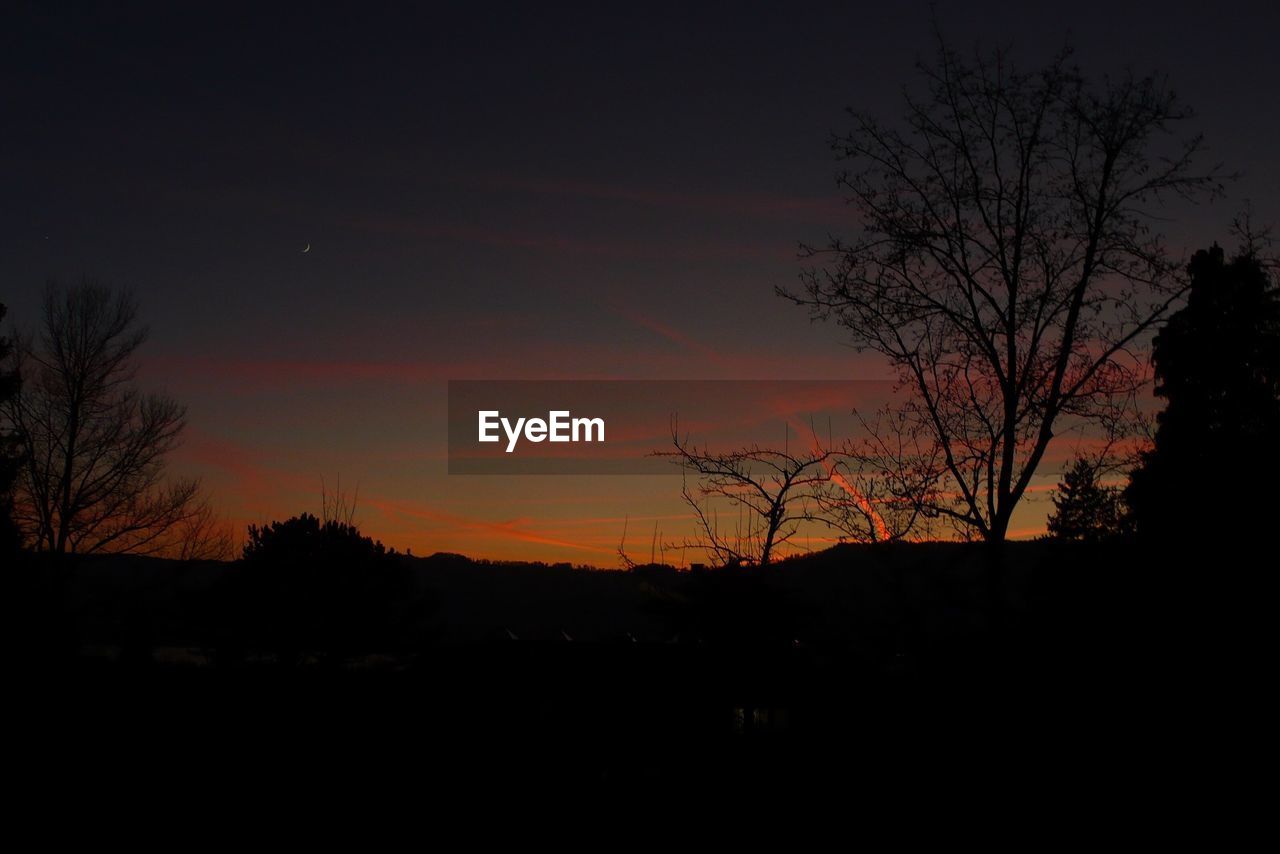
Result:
[305,539]
[306,585]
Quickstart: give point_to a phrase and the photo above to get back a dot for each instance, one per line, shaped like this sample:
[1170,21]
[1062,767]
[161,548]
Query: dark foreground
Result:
[885,671]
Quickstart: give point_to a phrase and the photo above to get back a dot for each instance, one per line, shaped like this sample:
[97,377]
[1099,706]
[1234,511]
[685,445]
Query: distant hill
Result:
[878,601]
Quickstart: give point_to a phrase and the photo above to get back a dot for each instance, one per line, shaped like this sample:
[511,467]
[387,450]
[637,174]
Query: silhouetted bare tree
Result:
[772,489]
[1007,266]
[203,535]
[10,537]
[94,446]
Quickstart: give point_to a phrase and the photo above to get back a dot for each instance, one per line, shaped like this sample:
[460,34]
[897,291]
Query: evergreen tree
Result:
[1217,365]
[1084,509]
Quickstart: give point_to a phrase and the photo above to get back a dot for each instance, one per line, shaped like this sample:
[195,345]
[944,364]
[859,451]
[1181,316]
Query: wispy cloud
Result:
[521,530]
[815,209]
[535,239]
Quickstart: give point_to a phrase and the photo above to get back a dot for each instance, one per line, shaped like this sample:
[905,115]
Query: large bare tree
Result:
[1008,265]
[94,446]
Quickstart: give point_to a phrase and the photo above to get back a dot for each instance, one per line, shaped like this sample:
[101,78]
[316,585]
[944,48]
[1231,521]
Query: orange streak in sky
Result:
[503,530]
[882,530]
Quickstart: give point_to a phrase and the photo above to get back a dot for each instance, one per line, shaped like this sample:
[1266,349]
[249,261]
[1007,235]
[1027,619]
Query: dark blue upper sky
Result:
[467,159]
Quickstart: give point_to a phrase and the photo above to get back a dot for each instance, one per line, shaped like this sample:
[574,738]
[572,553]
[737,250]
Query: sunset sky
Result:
[500,192]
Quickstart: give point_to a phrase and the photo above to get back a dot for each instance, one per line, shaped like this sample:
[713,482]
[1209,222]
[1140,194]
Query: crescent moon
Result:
[308,249]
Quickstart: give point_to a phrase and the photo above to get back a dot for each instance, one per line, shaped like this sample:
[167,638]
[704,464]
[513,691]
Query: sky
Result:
[533,191]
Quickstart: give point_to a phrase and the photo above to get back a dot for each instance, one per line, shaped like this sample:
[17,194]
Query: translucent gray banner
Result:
[621,426]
